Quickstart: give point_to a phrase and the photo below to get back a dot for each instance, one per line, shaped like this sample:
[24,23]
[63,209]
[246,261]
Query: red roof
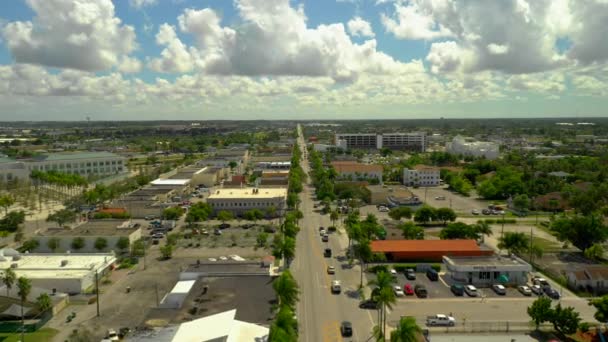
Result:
[447,246]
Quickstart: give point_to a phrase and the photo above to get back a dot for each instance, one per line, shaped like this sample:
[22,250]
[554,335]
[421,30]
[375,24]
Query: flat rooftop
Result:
[248,193]
[388,246]
[219,268]
[36,266]
[105,227]
[487,260]
[150,192]
[75,155]
[177,182]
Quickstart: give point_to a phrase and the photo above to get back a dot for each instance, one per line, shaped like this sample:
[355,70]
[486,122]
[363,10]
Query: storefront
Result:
[487,270]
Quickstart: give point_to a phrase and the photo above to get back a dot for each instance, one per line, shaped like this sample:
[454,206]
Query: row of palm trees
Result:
[24,286]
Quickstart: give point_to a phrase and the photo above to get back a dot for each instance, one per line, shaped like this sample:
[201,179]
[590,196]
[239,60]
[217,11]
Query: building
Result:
[70,273]
[589,278]
[353,171]
[422,175]
[468,147]
[207,176]
[109,229]
[241,200]
[413,141]
[427,250]
[175,299]
[12,170]
[487,270]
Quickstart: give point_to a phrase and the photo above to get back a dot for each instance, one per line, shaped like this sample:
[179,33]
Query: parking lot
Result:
[459,203]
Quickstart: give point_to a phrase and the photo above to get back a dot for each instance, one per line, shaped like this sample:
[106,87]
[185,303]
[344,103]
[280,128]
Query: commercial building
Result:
[353,171]
[68,273]
[413,141]
[207,176]
[108,229]
[469,147]
[12,170]
[421,175]
[241,200]
[427,250]
[487,270]
[175,299]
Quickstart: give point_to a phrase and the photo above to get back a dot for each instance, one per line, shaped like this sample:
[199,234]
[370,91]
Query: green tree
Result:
[224,216]
[122,244]
[514,242]
[6,201]
[565,320]
[198,212]
[138,248]
[411,231]
[601,307]
[78,243]
[595,252]
[253,215]
[292,200]
[540,311]
[101,243]
[62,217]
[30,245]
[271,212]
[334,216]
[582,231]
[406,331]
[166,251]
[286,289]
[445,215]
[173,213]
[398,213]
[8,279]
[521,202]
[458,230]
[424,215]
[53,243]
[43,302]
[25,287]
[383,294]
[12,220]
[232,164]
[285,327]
[483,229]
[262,239]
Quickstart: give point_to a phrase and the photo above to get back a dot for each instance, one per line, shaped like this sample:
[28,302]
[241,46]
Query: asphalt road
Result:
[320,312]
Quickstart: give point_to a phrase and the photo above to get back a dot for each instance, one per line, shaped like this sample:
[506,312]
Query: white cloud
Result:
[414,21]
[497,49]
[548,82]
[130,65]
[590,85]
[82,34]
[445,57]
[142,3]
[176,57]
[360,28]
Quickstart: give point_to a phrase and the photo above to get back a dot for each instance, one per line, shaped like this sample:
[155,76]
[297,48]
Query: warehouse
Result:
[68,273]
[487,270]
[427,250]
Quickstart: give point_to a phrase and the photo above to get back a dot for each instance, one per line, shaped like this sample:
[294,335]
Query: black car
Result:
[410,274]
[327,253]
[420,291]
[432,274]
[346,328]
[369,304]
[457,290]
[551,293]
[224,226]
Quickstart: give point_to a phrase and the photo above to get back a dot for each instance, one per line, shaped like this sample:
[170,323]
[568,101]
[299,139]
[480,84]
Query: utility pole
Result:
[97,290]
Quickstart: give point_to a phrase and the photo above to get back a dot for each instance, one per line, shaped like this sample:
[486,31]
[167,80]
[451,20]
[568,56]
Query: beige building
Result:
[353,171]
[421,175]
[241,200]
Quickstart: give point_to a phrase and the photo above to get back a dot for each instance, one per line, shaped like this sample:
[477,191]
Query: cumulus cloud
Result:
[142,3]
[416,20]
[130,65]
[273,39]
[176,56]
[82,34]
[360,28]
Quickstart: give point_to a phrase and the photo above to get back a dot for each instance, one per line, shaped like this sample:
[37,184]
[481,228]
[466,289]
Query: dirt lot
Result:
[460,204]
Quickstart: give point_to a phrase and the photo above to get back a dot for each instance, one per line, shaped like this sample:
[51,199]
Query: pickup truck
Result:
[440,320]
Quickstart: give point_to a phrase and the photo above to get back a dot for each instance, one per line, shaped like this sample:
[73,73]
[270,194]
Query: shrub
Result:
[584,327]
[490,221]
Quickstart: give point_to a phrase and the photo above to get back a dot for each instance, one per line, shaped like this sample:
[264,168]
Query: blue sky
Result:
[316,59]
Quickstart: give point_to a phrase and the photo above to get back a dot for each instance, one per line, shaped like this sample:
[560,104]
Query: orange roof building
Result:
[427,250]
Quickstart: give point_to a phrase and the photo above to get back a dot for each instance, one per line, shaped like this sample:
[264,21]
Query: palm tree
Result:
[386,297]
[25,287]
[406,331]
[334,216]
[286,289]
[8,278]
[384,294]
[483,228]
[43,302]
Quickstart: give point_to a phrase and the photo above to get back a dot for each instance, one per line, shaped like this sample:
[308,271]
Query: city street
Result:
[320,312]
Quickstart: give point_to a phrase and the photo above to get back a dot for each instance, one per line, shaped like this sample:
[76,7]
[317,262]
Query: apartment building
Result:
[421,175]
[240,200]
[469,147]
[413,141]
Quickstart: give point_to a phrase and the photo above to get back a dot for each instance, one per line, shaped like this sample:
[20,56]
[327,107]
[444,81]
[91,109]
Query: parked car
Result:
[336,286]
[327,253]
[457,289]
[440,320]
[331,270]
[398,291]
[432,274]
[525,290]
[410,274]
[551,293]
[369,304]
[224,225]
[383,209]
[157,236]
[217,231]
[393,272]
[440,198]
[420,291]
[408,289]
[499,289]
[346,329]
[471,291]
[486,211]
[536,289]
[542,282]
[475,212]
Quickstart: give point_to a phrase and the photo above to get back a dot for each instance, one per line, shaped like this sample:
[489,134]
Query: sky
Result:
[302,59]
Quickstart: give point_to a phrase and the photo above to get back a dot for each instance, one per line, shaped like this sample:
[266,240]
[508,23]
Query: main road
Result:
[320,312]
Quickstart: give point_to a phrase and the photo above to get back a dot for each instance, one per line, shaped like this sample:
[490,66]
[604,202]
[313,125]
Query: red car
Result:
[408,289]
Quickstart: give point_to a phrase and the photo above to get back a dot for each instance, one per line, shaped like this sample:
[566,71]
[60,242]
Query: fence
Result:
[15,326]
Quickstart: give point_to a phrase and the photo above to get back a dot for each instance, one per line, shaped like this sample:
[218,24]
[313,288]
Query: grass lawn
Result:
[546,245]
[42,335]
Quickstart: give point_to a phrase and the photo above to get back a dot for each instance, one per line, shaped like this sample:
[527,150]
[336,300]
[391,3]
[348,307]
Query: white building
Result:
[175,299]
[12,170]
[421,175]
[468,147]
[240,200]
[413,141]
[68,273]
[487,270]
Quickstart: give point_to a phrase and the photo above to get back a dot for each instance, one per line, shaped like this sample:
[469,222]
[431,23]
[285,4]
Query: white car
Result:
[393,272]
[331,270]
[537,289]
[525,290]
[336,286]
[322,232]
[383,209]
[475,212]
[471,290]
[499,289]
[398,291]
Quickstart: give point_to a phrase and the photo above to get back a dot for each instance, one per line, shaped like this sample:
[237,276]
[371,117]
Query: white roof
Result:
[248,332]
[206,328]
[38,266]
[183,286]
[170,181]
[248,193]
